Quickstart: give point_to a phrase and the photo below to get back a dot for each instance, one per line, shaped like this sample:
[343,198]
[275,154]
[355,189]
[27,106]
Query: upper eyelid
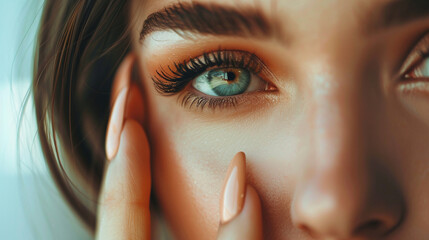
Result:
[214,58]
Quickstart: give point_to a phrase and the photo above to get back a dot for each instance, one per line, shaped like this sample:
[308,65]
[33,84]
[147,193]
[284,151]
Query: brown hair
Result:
[80,45]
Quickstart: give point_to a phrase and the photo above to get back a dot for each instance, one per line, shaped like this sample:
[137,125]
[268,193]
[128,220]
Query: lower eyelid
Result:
[193,100]
[418,86]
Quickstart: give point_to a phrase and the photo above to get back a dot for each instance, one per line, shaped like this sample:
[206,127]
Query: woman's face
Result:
[328,99]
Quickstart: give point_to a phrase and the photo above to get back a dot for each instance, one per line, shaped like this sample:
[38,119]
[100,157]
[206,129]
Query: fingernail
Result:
[234,188]
[116,121]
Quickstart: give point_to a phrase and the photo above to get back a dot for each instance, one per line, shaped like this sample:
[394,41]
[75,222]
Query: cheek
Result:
[190,157]
[187,172]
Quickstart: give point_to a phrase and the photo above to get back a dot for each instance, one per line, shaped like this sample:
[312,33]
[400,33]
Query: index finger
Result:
[123,212]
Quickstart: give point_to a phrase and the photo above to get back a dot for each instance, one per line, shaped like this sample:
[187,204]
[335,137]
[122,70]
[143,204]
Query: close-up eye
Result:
[215,79]
[228,82]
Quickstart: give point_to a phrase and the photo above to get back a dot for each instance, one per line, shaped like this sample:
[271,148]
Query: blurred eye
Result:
[416,65]
[228,82]
[420,71]
[413,91]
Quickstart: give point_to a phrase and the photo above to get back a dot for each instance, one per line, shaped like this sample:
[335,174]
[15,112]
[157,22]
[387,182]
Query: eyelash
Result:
[174,79]
[191,99]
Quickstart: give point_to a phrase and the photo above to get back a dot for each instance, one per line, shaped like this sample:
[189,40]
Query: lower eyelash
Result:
[191,100]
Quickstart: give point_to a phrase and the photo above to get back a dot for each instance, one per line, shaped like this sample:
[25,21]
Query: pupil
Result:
[230,76]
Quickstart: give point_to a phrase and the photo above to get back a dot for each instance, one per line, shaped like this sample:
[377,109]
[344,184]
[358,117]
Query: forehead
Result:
[292,7]
[290,17]
[294,4]
[301,15]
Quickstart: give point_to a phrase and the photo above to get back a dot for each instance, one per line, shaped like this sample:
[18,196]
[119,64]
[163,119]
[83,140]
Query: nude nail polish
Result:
[116,122]
[232,198]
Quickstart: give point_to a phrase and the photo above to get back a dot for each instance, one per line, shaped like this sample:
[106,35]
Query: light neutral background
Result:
[30,205]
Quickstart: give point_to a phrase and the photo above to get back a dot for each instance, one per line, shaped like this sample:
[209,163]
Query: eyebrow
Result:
[398,12]
[212,19]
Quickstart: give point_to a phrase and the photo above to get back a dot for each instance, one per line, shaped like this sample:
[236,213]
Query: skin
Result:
[339,151]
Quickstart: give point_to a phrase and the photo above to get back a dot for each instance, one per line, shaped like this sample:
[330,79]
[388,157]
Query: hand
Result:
[123,212]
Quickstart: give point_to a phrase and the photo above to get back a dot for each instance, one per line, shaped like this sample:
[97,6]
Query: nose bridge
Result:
[334,180]
[337,115]
[333,195]
[338,171]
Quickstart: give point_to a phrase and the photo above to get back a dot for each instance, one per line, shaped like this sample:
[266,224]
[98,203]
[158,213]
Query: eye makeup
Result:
[179,78]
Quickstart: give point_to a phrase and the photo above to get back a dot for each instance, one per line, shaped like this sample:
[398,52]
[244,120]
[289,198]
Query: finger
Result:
[128,105]
[119,97]
[122,77]
[248,223]
[124,93]
[124,201]
[241,216]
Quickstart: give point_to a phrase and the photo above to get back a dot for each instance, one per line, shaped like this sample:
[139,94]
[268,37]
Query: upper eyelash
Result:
[174,80]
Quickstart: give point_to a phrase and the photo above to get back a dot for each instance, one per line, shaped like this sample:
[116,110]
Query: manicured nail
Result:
[233,194]
[116,122]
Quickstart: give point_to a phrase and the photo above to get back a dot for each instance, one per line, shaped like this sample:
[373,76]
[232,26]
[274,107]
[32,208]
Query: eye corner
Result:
[415,58]
[270,87]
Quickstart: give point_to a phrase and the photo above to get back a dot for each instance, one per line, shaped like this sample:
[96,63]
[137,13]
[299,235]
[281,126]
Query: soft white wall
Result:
[30,205]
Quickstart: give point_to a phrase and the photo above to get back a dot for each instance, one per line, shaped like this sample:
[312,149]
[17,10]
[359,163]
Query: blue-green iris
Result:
[228,82]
